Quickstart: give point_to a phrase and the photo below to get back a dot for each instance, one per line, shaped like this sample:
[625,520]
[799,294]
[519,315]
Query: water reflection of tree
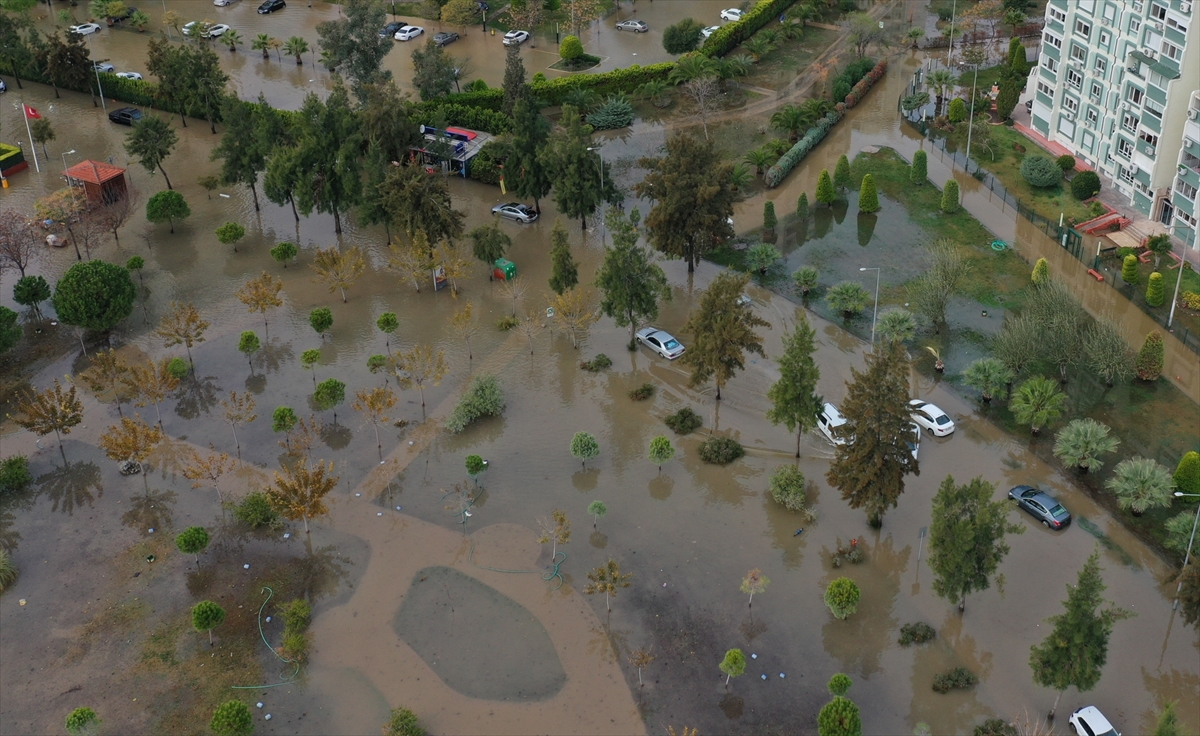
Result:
[71,486]
[866,227]
[170,457]
[752,628]
[274,353]
[9,537]
[256,383]
[607,642]
[336,436]
[196,396]
[661,487]
[586,481]
[150,510]
[724,484]
[783,525]
[964,646]
[859,641]
[954,712]
[1170,685]
[322,570]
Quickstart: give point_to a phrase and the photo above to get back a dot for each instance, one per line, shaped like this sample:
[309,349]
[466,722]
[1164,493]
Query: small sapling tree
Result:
[230,233]
[192,541]
[842,597]
[248,345]
[584,447]
[555,532]
[606,579]
[207,616]
[388,323]
[661,451]
[597,509]
[475,466]
[321,320]
[284,252]
[375,405]
[754,582]
[284,419]
[733,665]
[641,658]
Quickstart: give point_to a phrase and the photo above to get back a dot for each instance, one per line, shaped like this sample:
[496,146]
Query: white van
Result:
[828,420]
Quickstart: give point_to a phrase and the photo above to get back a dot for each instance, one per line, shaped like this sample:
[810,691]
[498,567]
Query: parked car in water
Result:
[129,75]
[1089,721]
[1041,505]
[104,67]
[222,3]
[637,26]
[389,31]
[270,6]
[828,421]
[661,342]
[217,30]
[516,38]
[931,417]
[445,38]
[731,14]
[709,31]
[86,29]
[516,211]
[125,115]
[407,33]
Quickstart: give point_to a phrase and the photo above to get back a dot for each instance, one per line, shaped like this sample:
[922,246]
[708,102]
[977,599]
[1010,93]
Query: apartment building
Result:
[1117,84]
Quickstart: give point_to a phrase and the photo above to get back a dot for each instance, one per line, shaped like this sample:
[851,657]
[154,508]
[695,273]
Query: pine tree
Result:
[950,197]
[919,172]
[1155,292]
[722,330]
[564,275]
[577,181]
[966,539]
[802,207]
[1076,649]
[1041,272]
[868,197]
[870,470]
[515,88]
[825,191]
[1129,269]
[769,219]
[632,283]
[794,401]
[1149,362]
[525,172]
[841,173]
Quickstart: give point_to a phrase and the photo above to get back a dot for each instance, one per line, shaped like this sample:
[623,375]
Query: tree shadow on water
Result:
[336,436]
[733,706]
[71,486]
[256,383]
[661,487]
[196,396]
[586,481]
[273,355]
[323,570]
[150,510]
[859,641]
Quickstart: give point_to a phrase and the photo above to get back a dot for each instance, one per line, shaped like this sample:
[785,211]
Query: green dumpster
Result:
[504,269]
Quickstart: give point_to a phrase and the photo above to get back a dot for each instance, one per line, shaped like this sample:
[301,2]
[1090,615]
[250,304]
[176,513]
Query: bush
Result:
[917,633]
[769,219]
[256,510]
[81,721]
[996,727]
[1065,162]
[919,172]
[1155,290]
[950,197]
[1040,171]
[840,89]
[596,364]
[483,398]
[616,112]
[957,678]
[486,166]
[868,196]
[296,614]
[1129,269]
[1187,475]
[402,722]
[842,597]
[684,421]
[729,36]
[958,110]
[787,488]
[14,474]
[1085,184]
[1149,363]
[643,392]
[721,450]
[1190,299]
[466,116]
[232,718]
[570,49]
[507,322]
[682,37]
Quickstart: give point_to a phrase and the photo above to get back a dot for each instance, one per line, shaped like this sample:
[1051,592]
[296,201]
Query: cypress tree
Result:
[919,173]
[1041,272]
[1129,272]
[825,192]
[769,219]
[1149,362]
[564,274]
[1155,291]
[958,110]
[802,206]
[841,173]
[868,197]
[950,197]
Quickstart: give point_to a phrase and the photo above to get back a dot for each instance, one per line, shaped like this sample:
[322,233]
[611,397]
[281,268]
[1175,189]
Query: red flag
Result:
[31,113]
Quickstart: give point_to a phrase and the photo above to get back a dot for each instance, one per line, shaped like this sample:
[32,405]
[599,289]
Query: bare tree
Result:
[703,94]
[19,242]
[514,289]
[116,213]
[530,327]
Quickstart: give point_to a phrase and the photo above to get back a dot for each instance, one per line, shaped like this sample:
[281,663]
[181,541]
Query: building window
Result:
[1075,79]
[1087,6]
[1135,24]
[1126,174]
[1105,39]
[1049,62]
[1125,148]
[1092,116]
[1172,23]
[1057,14]
[1171,51]
[1070,104]
[1158,12]
[1097,91]
[1101,66]
[1083,28]
[1110,13]
[1052,40]
[1153,108]
[1134,95]
[1080,53]
[1088,141]
[1129,122]
[1187,190]
[1045,89]
[1185,217]
[1149,139]
[1157,80]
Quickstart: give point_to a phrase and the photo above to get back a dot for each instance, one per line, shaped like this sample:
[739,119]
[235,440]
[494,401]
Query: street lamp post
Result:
[601,156]
[875,311]
[100,87]
[950,50]
[1187,555]
[64,158]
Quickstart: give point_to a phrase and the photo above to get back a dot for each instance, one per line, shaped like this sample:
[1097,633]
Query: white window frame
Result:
[1079,52]
[1129,122]
[1075,78]
[1149,139]
[1052,40]
[1100,65]
[1125,149]
[1083,28]
[1045,89]
[1105,39]
[1097,92]
[1172,52]
[1070,104]
[1135,24]
[1134,95]
[1182,187]
[1056,14]
[1050,63]
[1091,116]
[1152,107]
[1158,12]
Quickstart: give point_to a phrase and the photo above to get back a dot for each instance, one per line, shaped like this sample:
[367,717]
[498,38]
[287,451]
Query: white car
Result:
[129,75]
[931,417]
[1090,721]
[86,29]
[731,14]
[915,446]
[104,67]
[217,30]
[407,33]
[828,421]
[516,38]
[222,3]
[660,342]
[709,31]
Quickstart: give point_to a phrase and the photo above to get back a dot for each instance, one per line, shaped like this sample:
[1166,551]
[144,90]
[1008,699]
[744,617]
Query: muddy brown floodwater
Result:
[688,533]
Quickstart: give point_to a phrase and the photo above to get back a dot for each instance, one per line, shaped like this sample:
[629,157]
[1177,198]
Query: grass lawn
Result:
[778,68]
[1184,318]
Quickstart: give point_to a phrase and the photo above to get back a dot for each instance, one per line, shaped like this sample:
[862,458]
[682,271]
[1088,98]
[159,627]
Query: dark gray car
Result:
[1041,505]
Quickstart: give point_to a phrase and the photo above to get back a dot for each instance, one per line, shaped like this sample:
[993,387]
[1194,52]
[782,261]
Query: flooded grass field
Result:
[455,620]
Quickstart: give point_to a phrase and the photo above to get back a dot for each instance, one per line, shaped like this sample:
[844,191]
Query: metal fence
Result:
[1069,238]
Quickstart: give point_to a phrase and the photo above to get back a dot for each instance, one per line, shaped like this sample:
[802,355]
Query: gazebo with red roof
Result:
[103,183]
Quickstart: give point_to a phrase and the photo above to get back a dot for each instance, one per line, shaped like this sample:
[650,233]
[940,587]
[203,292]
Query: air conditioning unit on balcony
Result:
[1069,116]
[1158,26]
[1106,21]
[1185,7]
[1077,63]
[1148,52]
[1133,169]
[1193,114]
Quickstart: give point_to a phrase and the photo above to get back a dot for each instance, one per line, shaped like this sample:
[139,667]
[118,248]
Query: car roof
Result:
[1095,719]
[835,416]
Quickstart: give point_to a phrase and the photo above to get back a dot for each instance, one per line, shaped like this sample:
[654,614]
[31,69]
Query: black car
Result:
[125,115]
[390,29]
[1042,506]
[445,37]
[270,6]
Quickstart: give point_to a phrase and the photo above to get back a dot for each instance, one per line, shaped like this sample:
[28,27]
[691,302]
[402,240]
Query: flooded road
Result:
[688,533]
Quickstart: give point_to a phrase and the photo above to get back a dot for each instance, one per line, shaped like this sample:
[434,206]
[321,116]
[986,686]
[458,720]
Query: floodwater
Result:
[688,533]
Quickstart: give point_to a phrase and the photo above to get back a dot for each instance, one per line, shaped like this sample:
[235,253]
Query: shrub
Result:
[1085,184]
[232,718]
[769,219]
[1155,290]
[1041,272]
[917,633]
[682,37]
[787,488]
[616,112]
[1190,299]
[721,450]
[950,197]
[14,474]
[1040,171]
[1187,474]
[296,614]
[919,172]
[177,368]
[8,571]
[802,148]
[1149,363]
[402,722]
[957,678]
[643,392]
[684,421]
[842,597]
[841,88]
[570,49]
[802,207]
[996,727]
[1066,162]
[868,196]
[81,721]
[483,398]
[1095,209]
[596,364]
[958,110]
[847,553]
[256,510]
[486,166]
[1129,269]
[507,322]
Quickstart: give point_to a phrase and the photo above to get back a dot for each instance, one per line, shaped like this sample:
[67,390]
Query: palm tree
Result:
[760,159]
[740,177]
[759,46]
[940,80]
[1037,402]
[805,279]
[276,44]
[792,28]
[691,66]
[1140,484]
[656,91]
[582,99]
[848,297]
[896,324]
[232,39]
[791,120]
[735,66]
[1081,442]
[262,42]
[987,375]
[915,35]
[296,46]
[814,109]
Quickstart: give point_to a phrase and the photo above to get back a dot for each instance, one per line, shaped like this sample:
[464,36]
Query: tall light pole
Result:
[600,154]
[1175,298]
[875,311]
[103,104]
[953,13]
[1187,555]
[64,158]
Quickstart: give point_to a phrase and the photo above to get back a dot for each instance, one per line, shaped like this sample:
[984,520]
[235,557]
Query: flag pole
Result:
[25,114]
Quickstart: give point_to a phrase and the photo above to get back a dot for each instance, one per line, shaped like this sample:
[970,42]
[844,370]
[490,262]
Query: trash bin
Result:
[504,269]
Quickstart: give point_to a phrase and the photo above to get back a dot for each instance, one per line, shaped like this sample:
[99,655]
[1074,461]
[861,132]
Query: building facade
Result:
[1117,85]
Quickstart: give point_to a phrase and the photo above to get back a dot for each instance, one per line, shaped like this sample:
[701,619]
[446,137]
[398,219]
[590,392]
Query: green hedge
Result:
[554,91]
[475,118]
[727,37]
